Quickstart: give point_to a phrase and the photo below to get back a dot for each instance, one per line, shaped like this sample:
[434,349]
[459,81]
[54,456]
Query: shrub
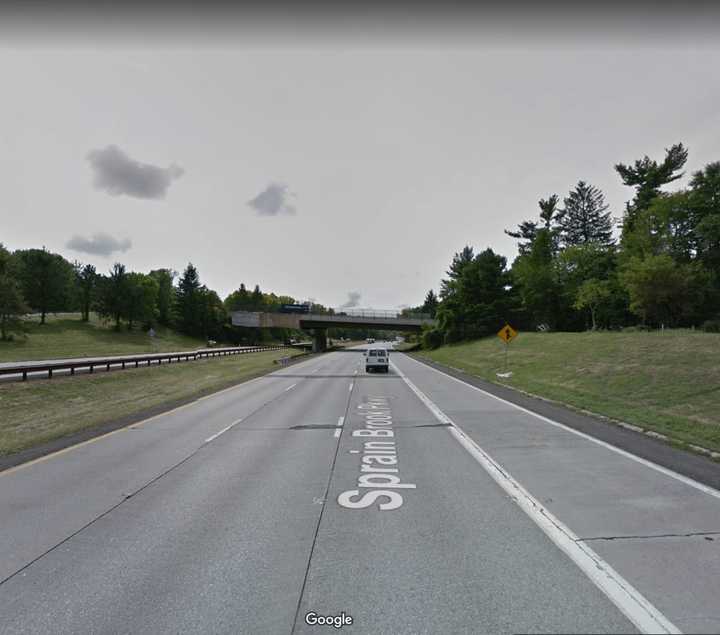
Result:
[432,339]
[711,326]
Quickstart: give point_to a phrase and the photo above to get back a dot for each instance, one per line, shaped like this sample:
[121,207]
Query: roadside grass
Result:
[667,382]
[65,335]
[39,411]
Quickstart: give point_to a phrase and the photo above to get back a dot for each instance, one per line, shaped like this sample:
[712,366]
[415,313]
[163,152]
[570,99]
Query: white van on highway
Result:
[377,359]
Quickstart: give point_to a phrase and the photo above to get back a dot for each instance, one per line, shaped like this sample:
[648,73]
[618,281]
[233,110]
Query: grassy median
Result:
[39,411]
[667,382]
[66,335]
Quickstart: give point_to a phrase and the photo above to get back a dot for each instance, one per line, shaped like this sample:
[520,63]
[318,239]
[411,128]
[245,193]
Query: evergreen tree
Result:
[584,218]
[188,304]
[476,299]
[256,299]
[431,304]
[525,234]
[528,230]
[647,176]
[458,264]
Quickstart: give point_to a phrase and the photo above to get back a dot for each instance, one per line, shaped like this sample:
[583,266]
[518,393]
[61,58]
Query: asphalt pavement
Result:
[406,502]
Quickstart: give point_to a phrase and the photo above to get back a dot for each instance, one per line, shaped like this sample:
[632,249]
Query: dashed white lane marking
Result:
[340,422]
[629,600]
[658,468]
[355,372]
[354,451]
[337,432]
[223,431]
[290,387]
[350,387]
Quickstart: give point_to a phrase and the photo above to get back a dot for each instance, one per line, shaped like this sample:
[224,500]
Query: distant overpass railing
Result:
[374,313]
[22,369]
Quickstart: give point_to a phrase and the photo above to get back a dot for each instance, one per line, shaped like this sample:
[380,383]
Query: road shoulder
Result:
[694,466]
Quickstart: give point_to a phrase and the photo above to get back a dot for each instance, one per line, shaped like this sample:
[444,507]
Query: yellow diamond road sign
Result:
[507,333]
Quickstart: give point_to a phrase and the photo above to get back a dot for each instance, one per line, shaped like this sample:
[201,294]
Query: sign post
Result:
[507,333]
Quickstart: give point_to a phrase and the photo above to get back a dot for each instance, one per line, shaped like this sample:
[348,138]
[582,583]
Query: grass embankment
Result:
[668,382]
[38,411]
[67,336]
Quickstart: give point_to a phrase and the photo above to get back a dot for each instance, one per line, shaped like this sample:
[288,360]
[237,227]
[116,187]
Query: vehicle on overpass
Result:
[377,359]
[295,308]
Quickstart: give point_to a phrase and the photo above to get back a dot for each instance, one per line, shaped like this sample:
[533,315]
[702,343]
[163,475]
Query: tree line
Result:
[572,274]
[36,280]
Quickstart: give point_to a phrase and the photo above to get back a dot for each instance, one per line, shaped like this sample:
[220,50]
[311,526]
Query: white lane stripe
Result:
[290,387]
[350,387]
[340,422]
[355,372]
[337,433]
[629,600]
[706,489]
[223,431]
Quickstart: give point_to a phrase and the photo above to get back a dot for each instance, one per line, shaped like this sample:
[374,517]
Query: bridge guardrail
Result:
[24,368]
[374,313]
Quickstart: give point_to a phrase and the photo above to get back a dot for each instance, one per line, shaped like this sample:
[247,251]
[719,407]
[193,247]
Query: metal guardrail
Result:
[24,368]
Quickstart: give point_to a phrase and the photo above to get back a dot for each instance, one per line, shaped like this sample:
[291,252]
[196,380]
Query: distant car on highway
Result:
[370,340]
[377,359]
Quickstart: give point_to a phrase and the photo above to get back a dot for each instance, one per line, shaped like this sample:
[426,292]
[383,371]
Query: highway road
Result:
[407,503]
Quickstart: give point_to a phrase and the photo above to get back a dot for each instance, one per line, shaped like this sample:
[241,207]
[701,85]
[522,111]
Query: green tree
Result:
[212,313]
[46,280]
[86,281]
[584,218]
[647,176]
[112,291]
[704,201]
[238,300]
[12,304]
[166,294]
[187,302]
[591,295]
[256,299]
[536,279]
[476,298]
[528,230]
[663,291]
[141,300]
[431,304]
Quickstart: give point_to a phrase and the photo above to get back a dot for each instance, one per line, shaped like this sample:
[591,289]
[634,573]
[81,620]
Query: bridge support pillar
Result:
[319,340]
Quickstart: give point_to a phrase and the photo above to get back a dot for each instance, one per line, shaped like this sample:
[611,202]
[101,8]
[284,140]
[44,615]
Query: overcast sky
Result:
[328,161]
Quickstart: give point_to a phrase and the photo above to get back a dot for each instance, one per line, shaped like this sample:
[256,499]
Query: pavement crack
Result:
[691,534]
[323,507]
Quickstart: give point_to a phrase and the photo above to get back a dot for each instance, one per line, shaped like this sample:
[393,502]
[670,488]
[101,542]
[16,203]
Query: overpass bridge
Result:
[319,323]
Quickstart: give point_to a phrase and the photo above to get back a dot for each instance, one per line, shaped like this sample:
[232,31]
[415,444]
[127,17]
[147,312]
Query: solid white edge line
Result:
[223,431]
[340,422]
[628,600]
[706,489]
